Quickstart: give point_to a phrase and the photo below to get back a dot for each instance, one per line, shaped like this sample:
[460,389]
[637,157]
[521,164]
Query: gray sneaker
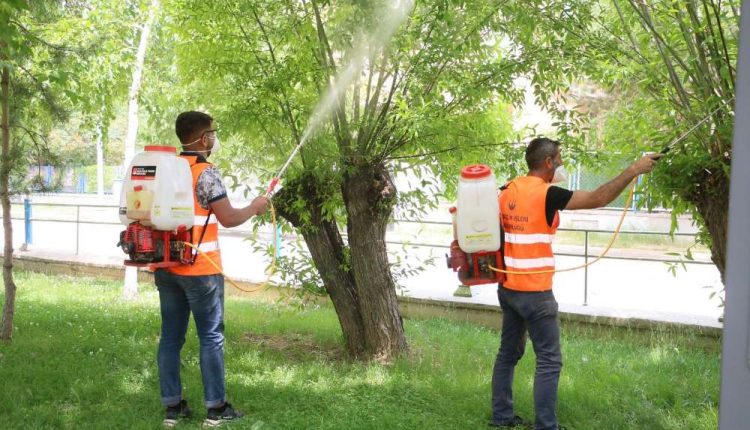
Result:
[513,423]
[221,415]
[175,413]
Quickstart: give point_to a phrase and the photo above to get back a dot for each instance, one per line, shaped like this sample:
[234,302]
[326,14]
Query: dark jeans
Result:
[204,297]
[535,312]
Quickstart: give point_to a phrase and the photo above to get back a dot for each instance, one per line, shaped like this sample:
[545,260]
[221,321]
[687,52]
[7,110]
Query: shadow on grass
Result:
[297,347]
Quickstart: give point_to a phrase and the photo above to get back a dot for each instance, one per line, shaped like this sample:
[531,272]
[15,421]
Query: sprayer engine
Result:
[474,268]
[155,248]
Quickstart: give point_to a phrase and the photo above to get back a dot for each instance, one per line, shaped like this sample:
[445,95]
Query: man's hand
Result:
[604,194]
[259,205]
[646,163]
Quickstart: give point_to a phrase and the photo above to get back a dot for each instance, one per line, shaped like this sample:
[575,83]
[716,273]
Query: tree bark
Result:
[369,195]
[360,285]
[135,85]
[6,327]
[328,251]
[711,199]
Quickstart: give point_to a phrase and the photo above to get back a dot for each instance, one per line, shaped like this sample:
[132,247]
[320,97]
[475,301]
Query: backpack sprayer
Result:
[477,239]
[156,205]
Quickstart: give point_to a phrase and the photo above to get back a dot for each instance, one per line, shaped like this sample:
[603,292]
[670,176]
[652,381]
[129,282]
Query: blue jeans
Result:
[537,313]
[204,297]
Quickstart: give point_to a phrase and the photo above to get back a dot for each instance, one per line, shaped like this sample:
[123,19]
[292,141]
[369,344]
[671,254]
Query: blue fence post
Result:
[27,220]
[82,183]
[48,177]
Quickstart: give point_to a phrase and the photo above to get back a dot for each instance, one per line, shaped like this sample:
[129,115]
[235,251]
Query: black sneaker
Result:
[175,413]
[514,422]
[220,415]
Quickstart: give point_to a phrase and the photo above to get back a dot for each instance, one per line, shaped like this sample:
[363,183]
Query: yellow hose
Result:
[273,259]
[609,245]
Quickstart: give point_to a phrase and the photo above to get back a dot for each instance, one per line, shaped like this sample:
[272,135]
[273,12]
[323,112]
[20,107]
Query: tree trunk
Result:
[6,328]
[369,195]
[135,85]
[712,201]
[130,287]
[360,285]
[327,249]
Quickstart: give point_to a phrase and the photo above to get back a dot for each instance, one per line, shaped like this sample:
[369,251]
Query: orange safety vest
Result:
[528,238]
[210,242]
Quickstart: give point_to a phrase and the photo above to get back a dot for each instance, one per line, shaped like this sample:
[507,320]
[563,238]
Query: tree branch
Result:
[453,148]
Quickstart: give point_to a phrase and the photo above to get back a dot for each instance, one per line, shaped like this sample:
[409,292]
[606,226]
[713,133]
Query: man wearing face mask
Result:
[529,208]
[198,288]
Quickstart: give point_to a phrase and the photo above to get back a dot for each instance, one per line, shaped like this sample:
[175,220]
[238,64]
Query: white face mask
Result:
[561,175]
[214,148]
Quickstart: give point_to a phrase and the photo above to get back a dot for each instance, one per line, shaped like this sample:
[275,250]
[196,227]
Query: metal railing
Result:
[28,219]
[585,255]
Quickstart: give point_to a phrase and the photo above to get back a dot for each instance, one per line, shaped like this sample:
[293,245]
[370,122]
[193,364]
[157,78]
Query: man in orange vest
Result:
[529,208]
[198,288]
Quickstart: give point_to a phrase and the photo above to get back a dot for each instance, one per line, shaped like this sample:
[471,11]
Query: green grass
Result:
[83,358]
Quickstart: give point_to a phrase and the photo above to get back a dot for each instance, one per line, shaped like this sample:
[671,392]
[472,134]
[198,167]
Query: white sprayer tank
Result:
[158,190]
[477,214]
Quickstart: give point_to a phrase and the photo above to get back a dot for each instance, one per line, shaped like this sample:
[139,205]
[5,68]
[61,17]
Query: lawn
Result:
[83,358]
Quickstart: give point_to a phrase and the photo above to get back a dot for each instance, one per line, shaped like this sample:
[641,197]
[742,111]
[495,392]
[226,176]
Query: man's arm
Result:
[230,216]
[609,191]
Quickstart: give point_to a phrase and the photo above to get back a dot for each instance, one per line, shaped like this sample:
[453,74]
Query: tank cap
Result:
[476,171]
[160,148]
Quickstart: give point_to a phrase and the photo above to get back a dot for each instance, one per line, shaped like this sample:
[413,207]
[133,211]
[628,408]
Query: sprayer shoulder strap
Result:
[502,235]
[194,252]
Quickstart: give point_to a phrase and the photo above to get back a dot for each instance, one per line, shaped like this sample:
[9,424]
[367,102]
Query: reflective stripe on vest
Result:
[528,238]
[210,243]
[209,246]
[529,263]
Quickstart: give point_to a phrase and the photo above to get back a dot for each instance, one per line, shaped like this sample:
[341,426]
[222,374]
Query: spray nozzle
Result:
[271,186]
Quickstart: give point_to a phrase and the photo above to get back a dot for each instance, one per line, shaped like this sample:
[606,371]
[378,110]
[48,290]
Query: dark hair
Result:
[188,124]
[538,151]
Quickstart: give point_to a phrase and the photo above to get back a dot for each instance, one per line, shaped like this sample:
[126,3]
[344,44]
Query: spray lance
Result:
[687,133]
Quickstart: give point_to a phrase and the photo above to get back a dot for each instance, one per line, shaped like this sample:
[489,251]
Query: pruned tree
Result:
[417,99]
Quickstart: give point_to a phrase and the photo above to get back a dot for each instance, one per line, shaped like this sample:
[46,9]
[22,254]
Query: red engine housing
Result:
[155,248]
[474,268]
